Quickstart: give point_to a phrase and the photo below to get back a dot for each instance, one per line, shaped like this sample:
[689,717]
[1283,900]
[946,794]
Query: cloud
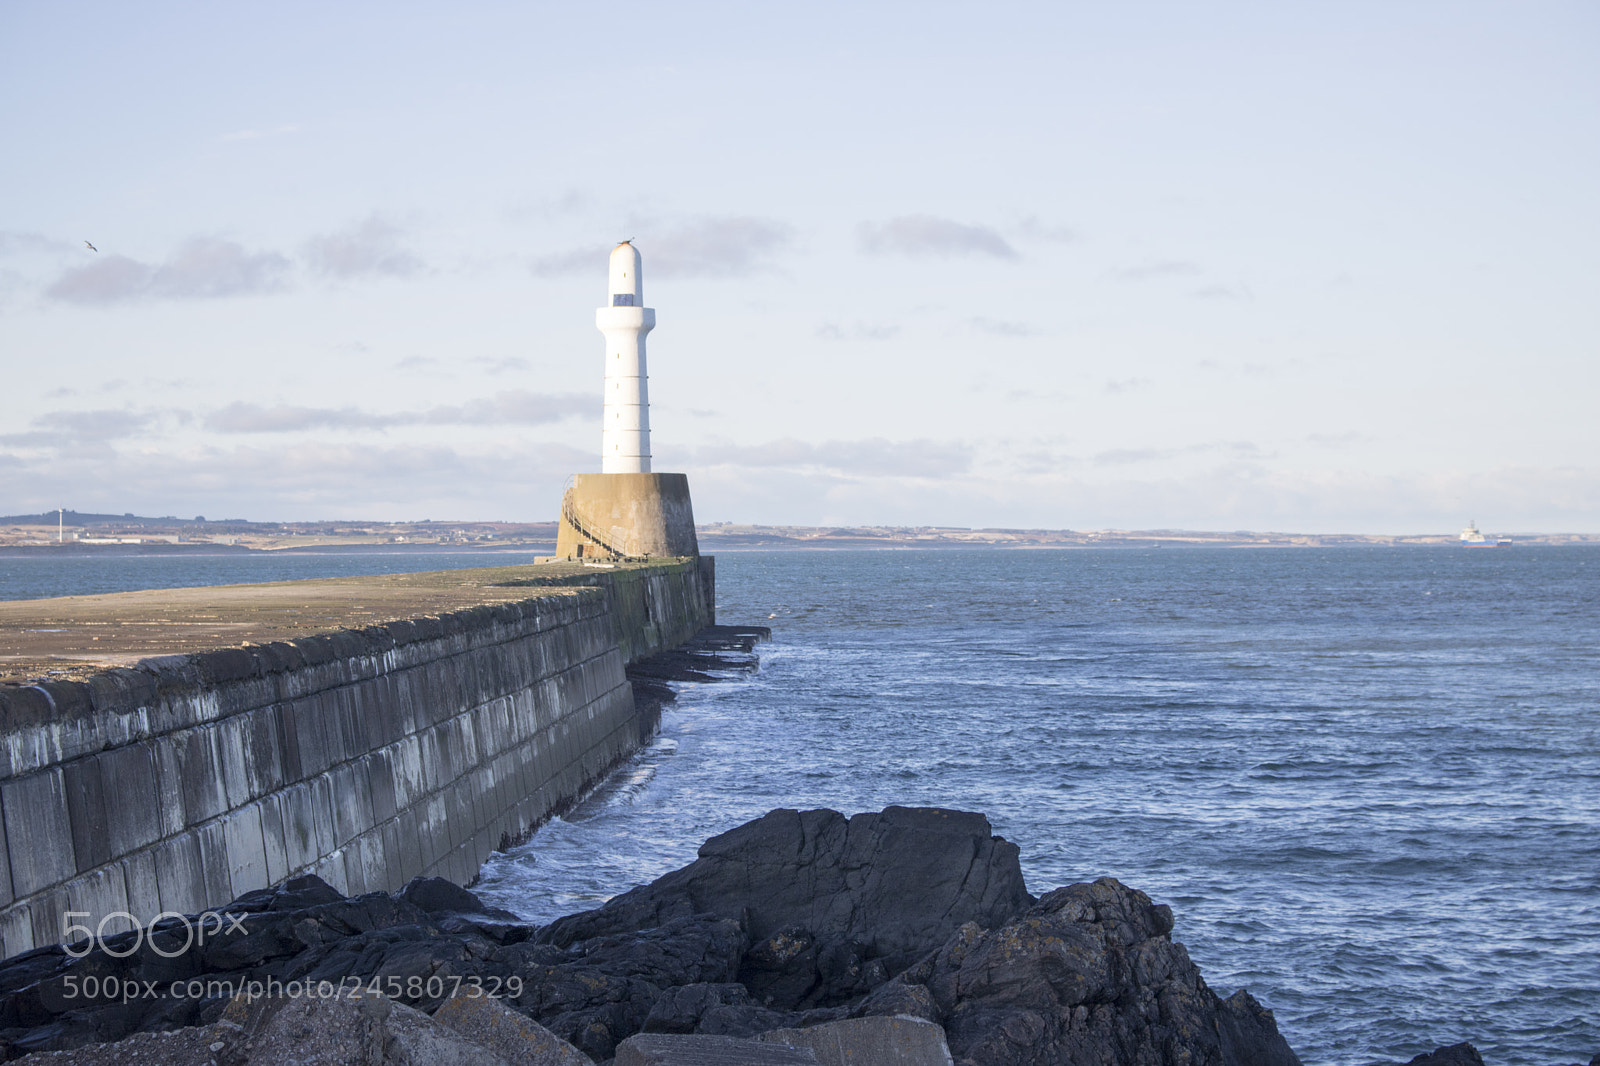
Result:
[1003,329]
[926,235]
[416,362]
[1116,386]
[368,249]
[499,365]
[517,408]
[1118,456]
[1224,292]
[1252,369]
[108,279]
[872,457]
[64,391]
[98,425]
[12,241]
[1169,268]
[207,267]
[1336,440]
[858,331]
[1042,461]
[712,247]
[507,408]
[1032,228]
[1236,449]
[58,429]
[282,418]
[200,268]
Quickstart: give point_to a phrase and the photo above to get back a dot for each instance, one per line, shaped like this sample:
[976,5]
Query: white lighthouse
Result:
[625,438]
[626,511]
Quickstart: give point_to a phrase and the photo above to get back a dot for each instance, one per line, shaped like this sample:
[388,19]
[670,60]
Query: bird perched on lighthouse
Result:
[625,438]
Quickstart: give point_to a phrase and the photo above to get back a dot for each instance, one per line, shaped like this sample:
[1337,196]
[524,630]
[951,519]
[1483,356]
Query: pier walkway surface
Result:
[72,637]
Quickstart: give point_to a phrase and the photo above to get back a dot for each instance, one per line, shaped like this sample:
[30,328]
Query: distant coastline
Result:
[132,534]
[728,537]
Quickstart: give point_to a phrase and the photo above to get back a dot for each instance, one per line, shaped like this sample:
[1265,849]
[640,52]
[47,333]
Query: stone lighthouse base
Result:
[627,516]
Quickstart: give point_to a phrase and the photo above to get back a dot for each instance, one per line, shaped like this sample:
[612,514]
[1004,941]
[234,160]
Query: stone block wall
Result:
[365,756]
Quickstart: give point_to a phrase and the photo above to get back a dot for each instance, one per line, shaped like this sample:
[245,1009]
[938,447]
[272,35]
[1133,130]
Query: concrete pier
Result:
[170,750]
[621,516]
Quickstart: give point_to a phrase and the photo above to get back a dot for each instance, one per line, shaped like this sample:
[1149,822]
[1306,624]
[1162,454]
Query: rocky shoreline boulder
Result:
[1089,974]
[796,921]
[833,905]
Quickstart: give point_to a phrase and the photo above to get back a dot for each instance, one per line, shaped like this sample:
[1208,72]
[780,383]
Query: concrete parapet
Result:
[367,756]
[627,515]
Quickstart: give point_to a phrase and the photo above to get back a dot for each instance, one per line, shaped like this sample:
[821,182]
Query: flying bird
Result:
[89,246]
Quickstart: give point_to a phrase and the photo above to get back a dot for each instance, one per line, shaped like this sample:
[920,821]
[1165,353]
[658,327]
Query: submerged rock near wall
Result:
[797,920]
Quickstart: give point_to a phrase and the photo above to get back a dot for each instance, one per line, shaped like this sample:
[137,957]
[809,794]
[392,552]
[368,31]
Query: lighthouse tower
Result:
[626,511]
[625,438]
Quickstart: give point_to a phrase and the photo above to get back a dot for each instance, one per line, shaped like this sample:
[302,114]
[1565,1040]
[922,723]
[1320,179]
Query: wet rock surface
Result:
[798,920]
[713,650]
[1454,1055]
[1464,1054]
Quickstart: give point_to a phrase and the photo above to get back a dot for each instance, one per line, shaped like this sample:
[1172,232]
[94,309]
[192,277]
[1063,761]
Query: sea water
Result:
[1366,779]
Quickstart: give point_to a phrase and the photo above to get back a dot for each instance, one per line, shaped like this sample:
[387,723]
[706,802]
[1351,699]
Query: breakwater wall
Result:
[366,756]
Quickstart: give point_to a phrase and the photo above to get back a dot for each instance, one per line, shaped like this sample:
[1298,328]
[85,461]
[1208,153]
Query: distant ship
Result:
[1471,538]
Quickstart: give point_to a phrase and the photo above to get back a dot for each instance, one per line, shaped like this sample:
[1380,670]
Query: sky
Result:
[1266,266]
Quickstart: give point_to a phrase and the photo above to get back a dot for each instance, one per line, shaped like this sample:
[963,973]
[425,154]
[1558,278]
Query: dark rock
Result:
[361,914]
[715,648]
[35,965]
[895,881]
[585,1006]
[515,958]
[517,1039]
[782,969]
[679,1010]
[65,1033]
[300,893]
[490,927]
[1089,974]
[682,952]
[879,1041]
[731,638]
[411,1038]
[460,911]
[438,896]
[901,999]
[1462,1054]
[662,1049]
[723,1010]
[207,1046]
[738,1021]
[253,940]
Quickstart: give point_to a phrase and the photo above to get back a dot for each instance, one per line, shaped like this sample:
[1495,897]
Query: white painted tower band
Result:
[625,438]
